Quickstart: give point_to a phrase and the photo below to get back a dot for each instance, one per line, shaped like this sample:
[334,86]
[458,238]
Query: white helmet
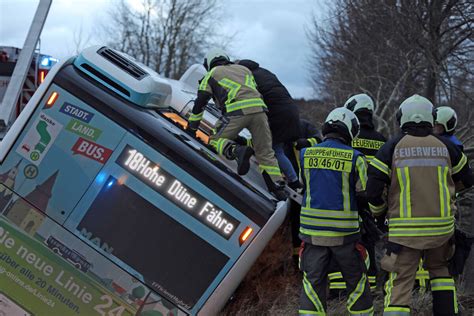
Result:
[415,109]
[446,116]
[359,102]
[214,54]
[342,121]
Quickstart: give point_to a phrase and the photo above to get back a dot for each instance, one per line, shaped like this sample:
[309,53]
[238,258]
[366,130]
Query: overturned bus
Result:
[107,207]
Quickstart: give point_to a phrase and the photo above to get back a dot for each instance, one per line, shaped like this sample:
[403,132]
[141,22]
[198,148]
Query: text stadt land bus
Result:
[98,166]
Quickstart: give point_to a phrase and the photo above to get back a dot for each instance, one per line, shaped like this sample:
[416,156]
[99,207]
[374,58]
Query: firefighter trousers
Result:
[257,124]
[402,268]
[314,264]
[337,283]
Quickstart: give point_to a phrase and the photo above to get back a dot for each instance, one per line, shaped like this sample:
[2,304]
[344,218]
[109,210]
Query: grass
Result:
[273,285]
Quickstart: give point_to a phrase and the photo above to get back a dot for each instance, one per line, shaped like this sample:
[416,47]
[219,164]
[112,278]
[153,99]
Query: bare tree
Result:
[80,40]
[392,49]
[166,35]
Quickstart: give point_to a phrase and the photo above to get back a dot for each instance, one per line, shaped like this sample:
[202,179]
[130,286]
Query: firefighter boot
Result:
[242,154]
[444,297]
[277,189]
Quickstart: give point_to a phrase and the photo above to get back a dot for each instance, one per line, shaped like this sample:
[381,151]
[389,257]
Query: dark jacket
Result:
[306,130]
[369,140]
[283,115]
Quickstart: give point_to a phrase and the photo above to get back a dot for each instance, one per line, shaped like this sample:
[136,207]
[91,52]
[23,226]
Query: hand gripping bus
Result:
[97,170]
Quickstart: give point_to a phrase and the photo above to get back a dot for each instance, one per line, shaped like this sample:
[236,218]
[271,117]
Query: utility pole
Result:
[8,106]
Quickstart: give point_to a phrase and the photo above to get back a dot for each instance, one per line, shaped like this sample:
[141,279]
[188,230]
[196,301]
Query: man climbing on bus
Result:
[233,89]
[335,177]
[283,116]
[420,171]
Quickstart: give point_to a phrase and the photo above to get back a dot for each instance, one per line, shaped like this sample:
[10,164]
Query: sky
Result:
[271,32]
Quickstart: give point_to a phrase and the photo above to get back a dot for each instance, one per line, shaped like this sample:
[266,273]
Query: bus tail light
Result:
[245,235]
[52,98]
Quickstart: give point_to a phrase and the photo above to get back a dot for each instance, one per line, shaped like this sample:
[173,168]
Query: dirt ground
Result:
[273,285]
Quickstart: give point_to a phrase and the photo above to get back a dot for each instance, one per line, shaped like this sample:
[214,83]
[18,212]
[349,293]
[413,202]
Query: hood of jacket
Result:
[365,119]
[250,64]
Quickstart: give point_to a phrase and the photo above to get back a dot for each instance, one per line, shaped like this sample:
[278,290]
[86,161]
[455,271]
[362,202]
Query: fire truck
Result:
[40,66]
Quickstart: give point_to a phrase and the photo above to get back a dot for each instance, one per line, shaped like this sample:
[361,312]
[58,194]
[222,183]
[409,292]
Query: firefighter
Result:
[283,116]
[367,142]
[233,89]
[446,121]
[420,171]
[445,124]
[334,175]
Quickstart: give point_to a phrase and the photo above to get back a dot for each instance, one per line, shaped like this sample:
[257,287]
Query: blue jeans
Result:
[285,165]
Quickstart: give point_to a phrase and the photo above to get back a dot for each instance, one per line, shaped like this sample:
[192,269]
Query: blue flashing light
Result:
[48,61]
[45,61]
[111,182]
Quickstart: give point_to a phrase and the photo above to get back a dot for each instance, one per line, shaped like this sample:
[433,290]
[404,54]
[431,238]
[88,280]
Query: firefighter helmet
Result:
[342,121]
[415,109]
[358,102]
[214,55]
[446,116]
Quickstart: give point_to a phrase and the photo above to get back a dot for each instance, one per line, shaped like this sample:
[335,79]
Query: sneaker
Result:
[242,155]
[295,185]
[279,192]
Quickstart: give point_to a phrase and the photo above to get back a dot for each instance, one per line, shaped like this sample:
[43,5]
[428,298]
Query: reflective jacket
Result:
[420,171]
[233,89]
[333,173]
[369,140]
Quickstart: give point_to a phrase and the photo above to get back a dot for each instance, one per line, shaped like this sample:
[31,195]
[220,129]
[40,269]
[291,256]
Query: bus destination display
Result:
[154,176]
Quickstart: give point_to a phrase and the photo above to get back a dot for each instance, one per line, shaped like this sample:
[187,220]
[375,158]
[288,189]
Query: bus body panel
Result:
[39,279]
[98,187]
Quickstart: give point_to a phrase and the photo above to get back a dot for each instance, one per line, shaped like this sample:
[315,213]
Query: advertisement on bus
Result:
[46,270]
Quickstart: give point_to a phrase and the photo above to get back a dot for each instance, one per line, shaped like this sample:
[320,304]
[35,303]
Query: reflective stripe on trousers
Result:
[355,295]
[219,144]
[396,311]
[311,294]
[446,285]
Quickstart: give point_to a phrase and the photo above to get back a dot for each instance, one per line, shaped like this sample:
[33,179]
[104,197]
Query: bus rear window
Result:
[173,260]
